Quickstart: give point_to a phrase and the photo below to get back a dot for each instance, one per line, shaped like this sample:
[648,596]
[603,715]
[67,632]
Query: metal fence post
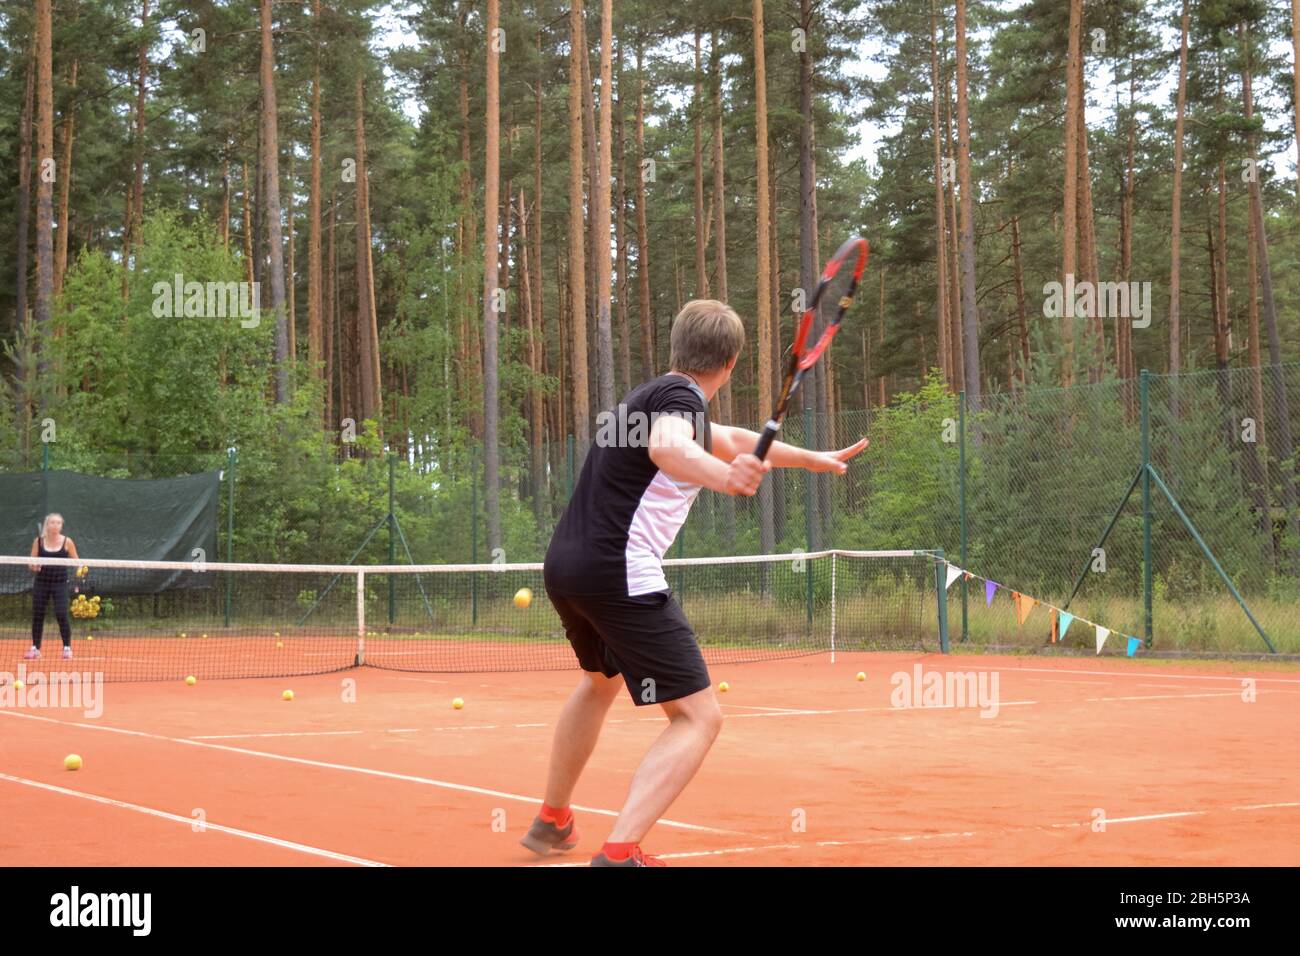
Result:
[810,497]
[961,482]
[941,587]
[1144,392]
[473,534]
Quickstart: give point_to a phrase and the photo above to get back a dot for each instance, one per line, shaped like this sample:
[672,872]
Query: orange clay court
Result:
[813,768]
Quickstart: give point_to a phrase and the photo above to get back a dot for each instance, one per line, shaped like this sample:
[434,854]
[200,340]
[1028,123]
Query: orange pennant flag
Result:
[1024,604]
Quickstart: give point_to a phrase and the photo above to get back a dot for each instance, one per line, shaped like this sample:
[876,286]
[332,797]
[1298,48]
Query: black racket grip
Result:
[765,440]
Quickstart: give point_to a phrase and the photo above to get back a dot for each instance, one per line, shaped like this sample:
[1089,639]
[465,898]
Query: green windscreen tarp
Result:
[160,519]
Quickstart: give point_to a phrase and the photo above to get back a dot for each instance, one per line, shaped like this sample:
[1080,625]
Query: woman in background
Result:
[51,584]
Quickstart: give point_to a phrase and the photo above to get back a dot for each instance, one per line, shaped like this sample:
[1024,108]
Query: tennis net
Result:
[159,620]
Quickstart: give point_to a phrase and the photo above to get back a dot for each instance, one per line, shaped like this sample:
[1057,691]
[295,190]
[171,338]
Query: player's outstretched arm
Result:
[730,441]
[674,451]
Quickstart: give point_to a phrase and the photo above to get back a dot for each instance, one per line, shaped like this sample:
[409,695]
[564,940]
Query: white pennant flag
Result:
[953,575]
[1102,634]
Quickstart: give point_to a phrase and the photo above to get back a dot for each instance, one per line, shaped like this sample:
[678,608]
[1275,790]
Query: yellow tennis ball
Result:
[724,687]
[287,695]
[458,704]
[279,645]
[276,634]
[205,637]
[523,597]
[19,685]
[90,637]
[861,676]
[191,680]
[72,762]
[183,634]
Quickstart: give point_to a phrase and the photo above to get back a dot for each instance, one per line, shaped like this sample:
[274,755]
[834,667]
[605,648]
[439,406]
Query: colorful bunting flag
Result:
[953,575]
[1024,604]
[990,588]
[1102,634]
[1133,643]
[1065,619]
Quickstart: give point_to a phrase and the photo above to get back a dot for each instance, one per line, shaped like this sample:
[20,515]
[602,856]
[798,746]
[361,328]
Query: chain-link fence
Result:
[1018,491]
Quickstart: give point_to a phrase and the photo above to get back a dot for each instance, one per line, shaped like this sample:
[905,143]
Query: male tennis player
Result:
[604,574]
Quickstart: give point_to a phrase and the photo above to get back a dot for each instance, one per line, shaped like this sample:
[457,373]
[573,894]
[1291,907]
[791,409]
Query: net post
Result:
[230,527]
[361,618]
[941,589]
[1144,391]
[392,540]
[833,556]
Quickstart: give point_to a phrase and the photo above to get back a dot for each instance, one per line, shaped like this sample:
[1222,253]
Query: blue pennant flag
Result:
[1133,644]
[1065,618]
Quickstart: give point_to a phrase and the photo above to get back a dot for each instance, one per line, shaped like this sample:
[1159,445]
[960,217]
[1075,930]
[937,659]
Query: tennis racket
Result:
[840,280]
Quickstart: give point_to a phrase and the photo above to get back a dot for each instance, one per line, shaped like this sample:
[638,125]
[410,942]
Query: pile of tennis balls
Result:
[85,608]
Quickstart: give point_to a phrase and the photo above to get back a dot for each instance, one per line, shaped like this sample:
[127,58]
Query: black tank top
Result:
[48,574]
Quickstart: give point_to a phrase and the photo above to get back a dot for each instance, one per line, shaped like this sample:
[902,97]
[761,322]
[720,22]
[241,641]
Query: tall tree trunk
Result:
[247,225]
[142,77]
[491,256]
[1070,211]
[1089,265]
[642,227]
[697,110]
[42,306]
[225,205]
[536,414]
[600,199]
[1252,274]
[22,372]
[1176,218]
[65,183]
[1281,425]
[577,254]
[940,242]
[290,275]
[1022,323]
[807,216]
[316,347]
[274,237]
[329,282]
[763,278]
[620,238]
[969,311]
[1295,78]
[367,405]
[719,206]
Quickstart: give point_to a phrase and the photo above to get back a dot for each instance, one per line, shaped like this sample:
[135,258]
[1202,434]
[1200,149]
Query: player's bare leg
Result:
[670,763]
[576,734]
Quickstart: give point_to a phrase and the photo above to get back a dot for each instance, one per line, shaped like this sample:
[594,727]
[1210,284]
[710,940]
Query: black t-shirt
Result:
[625,512]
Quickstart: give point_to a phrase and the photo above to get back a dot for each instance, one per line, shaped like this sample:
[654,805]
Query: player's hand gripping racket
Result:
[839,280]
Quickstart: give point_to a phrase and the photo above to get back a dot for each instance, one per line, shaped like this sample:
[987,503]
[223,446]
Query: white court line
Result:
[956,834]
[1048,680]
[1167,686]
[191,822]
[287,733]
[1232,677]
[1230,693]
[779,710]
[366,771]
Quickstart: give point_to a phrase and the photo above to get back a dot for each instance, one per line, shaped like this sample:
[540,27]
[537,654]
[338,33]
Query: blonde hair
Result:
[52,514]
[706,335]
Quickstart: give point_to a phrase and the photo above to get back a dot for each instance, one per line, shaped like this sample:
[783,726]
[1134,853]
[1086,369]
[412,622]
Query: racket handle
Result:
[765,440]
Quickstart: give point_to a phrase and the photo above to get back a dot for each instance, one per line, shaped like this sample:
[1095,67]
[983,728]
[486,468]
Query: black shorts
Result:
[645,638]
